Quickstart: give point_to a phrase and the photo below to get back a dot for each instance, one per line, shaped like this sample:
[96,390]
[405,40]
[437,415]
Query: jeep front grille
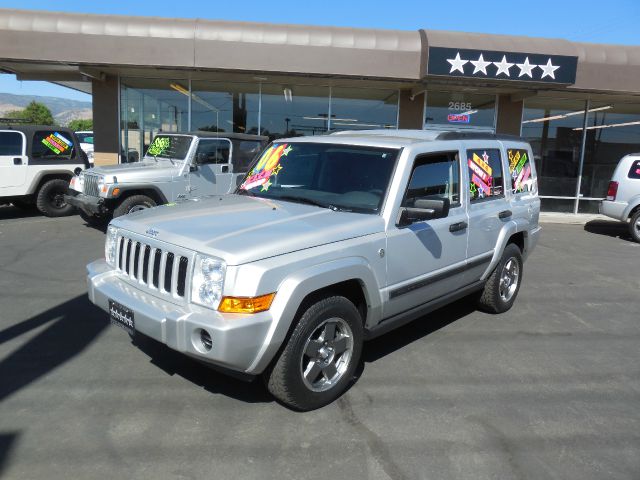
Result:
[158,269]
[91,185]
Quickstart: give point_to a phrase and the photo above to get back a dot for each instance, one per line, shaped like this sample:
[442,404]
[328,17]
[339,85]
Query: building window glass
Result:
[149,106]
[460,110]
[613,131]
[225,107]
[294,110]
[549,125]
[363,108]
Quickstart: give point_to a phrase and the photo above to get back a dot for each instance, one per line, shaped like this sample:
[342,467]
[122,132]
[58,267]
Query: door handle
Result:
[17,161]
[505,214]
[457,227]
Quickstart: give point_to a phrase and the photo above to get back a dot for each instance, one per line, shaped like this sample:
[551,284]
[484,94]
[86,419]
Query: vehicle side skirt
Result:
[414,313]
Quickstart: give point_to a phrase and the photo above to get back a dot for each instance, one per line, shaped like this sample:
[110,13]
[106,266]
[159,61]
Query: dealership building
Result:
[577,103]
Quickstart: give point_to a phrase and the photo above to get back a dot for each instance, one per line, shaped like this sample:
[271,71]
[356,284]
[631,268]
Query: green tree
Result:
[35,112]
[80,124]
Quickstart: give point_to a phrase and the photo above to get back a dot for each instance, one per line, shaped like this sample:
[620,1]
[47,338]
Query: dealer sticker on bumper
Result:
[121,316]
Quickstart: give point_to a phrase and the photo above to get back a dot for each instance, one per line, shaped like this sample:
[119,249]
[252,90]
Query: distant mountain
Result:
[63,109]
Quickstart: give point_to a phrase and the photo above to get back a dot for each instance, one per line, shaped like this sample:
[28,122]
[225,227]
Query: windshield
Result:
[85,137]
[173,147]
[340,177]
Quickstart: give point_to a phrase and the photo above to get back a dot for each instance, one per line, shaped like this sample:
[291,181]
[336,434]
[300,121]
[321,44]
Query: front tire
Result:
[50,199]
[318,362]
[133,204]
[503,284]
[634,226]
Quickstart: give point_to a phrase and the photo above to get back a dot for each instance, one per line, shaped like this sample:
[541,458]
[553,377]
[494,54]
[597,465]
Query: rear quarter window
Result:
[51,144]
[520,170]
[634,171]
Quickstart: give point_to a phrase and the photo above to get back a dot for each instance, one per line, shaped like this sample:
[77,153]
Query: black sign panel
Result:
[494,65]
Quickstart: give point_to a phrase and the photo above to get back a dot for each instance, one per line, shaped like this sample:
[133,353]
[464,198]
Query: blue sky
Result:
[615,21]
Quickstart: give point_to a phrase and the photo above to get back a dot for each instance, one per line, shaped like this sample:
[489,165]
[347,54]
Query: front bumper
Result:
[91,205]
[237,340]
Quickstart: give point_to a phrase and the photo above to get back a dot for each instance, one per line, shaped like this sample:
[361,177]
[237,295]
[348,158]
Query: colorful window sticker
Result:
[268,165]
[485,173]
[159,146]
[57,143]
[520,170]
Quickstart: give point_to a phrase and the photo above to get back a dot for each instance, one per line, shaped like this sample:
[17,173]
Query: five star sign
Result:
[457,64]
[503,67]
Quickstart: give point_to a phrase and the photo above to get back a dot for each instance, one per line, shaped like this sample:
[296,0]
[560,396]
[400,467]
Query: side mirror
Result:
[423,209]
[193,168]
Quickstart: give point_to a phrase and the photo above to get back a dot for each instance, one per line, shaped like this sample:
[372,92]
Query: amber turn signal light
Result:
[246,304]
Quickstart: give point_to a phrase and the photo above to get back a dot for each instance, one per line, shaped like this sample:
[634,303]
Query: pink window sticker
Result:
[478,171]
[482,186]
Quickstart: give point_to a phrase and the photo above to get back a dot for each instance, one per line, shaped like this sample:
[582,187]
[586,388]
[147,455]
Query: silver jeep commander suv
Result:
[176,166]
[327,242]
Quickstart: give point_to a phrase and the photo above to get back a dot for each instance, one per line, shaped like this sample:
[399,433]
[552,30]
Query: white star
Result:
[525,68]
[457,63]
[480,65]
[548,70]
[503,66]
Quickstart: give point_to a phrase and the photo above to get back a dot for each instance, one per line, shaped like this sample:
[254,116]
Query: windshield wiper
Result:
[308,201]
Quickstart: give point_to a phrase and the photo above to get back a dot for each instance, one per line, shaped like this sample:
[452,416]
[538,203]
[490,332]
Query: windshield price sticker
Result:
[268,165]
[159,146]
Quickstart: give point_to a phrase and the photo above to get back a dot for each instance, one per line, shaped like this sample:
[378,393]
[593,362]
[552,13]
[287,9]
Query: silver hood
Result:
[243,229]
[132,172]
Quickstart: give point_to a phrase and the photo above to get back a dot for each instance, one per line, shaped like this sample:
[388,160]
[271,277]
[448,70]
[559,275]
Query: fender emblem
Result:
[152,233]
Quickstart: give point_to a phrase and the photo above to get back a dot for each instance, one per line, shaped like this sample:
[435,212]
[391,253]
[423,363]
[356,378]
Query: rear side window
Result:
[520,170]
[485,174]
[212,151]
[50,144]
[634,172]
[10,143]
[434,176]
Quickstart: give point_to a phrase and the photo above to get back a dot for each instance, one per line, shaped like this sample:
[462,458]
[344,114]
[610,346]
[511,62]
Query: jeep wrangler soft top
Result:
[36,164]
[327,241]
[176,166]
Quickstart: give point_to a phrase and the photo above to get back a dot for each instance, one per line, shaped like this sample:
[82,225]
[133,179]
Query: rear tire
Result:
[133,204]
[503,284]
[50,199]
[634,226]
[318,362]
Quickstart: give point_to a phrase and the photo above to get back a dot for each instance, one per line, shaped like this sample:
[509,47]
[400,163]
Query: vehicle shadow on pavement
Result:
[609,228]
[73,325]
[7,442]
[401,337]
[9,212]
[250,390]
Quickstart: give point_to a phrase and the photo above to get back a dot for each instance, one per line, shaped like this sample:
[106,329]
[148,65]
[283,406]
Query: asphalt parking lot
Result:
[550,389]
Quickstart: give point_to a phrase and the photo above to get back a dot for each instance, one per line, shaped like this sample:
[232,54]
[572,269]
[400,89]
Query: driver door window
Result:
[213,152]
[434,177]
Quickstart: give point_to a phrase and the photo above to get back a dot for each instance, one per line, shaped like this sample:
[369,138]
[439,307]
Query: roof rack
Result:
[434,134]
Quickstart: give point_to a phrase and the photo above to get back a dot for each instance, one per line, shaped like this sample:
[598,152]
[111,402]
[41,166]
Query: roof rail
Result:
[462,135]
